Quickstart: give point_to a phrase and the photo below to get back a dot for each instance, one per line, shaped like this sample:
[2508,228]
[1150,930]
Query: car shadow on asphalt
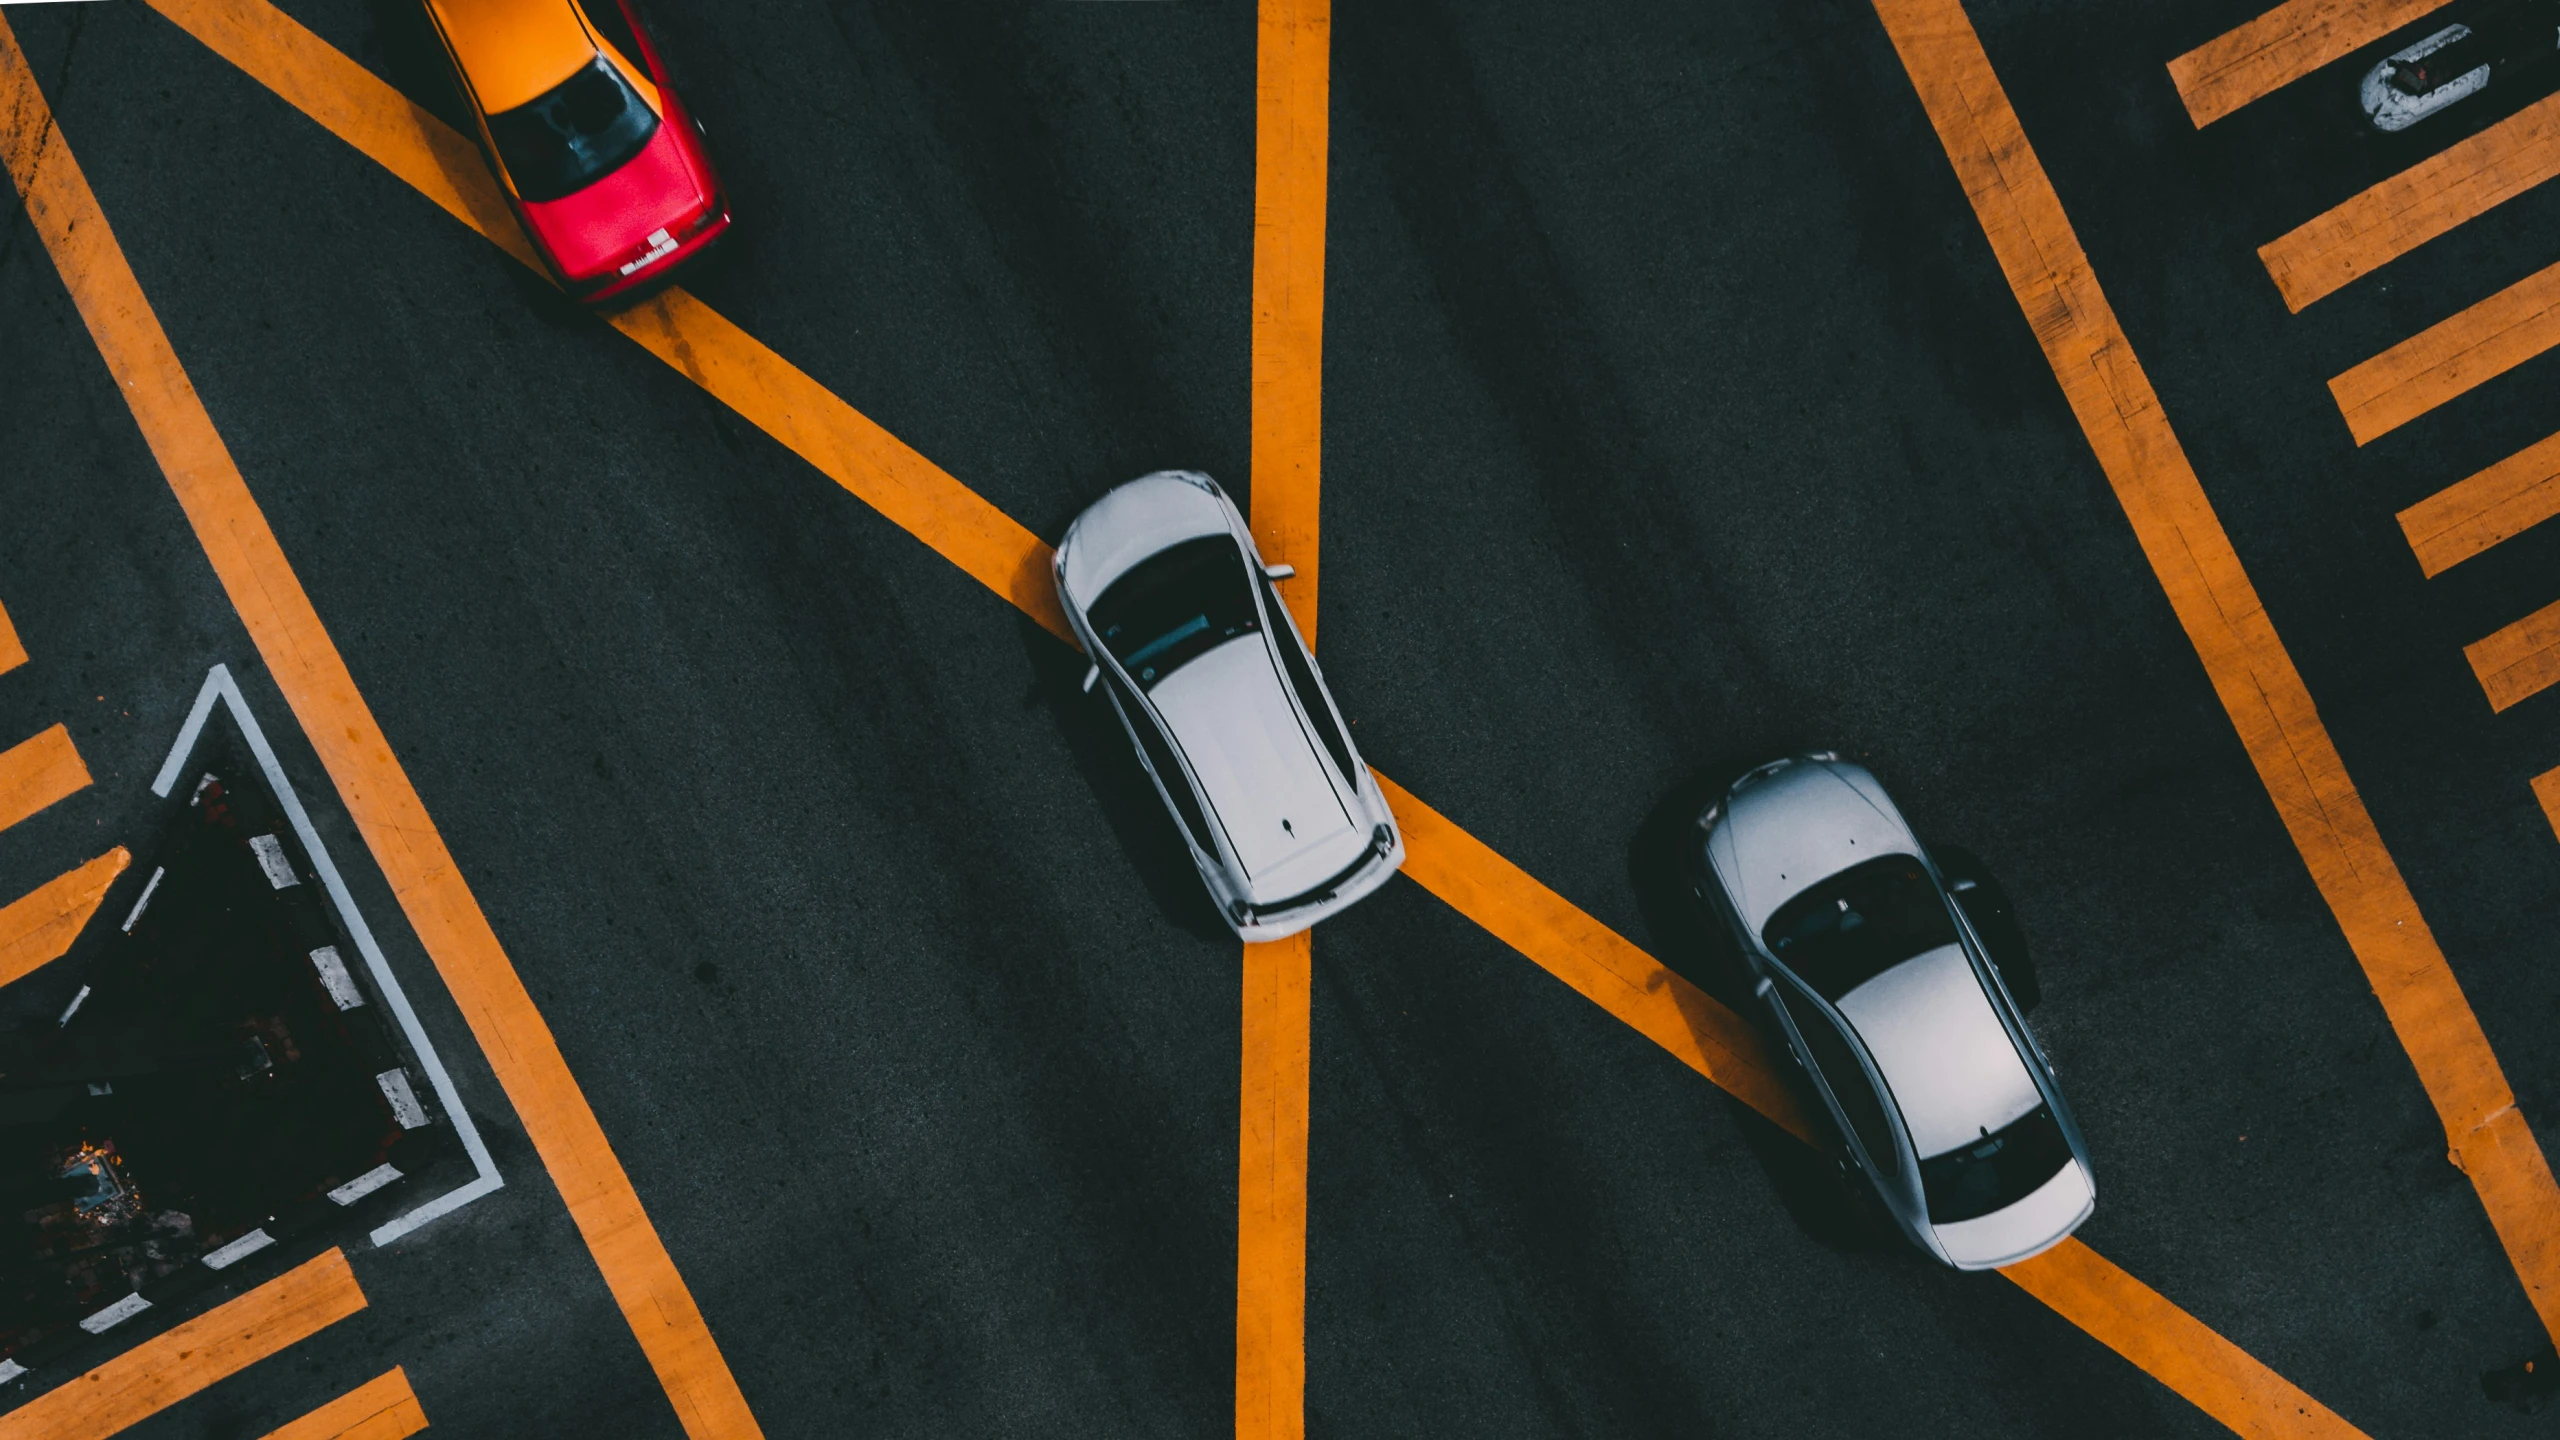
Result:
[1692,943]
[1128,799]
[403,49]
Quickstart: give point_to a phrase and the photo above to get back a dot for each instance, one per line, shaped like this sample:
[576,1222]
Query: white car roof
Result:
[1263,775]
[1133,522]
[1950,1063]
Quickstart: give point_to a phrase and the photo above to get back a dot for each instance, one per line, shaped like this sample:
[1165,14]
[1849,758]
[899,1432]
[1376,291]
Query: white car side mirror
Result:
[1279,572]
[1092,673]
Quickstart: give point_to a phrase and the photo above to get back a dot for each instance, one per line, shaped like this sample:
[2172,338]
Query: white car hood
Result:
[1134,521]
[1261,773]
[1802,824]
[1945,1055]
[2032,1226]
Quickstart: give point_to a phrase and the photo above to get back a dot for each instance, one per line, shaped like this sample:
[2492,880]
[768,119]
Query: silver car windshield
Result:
[1174,606]
[1858,924]
[1996,1171]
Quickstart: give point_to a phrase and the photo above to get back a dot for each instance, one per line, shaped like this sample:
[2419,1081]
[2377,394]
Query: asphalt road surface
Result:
[1677,414]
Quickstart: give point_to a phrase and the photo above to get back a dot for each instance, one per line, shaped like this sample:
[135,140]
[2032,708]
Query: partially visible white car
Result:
[1226,707]
[2503,41]
[1900,1009]
[2412,84]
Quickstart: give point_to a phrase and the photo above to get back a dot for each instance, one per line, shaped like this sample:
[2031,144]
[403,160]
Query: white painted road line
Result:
[365,1184]
[219,686]
[333,974]
[158,872]
[116,1314]
[73,1008]
[404,1101]
[240,1249]
[271,859]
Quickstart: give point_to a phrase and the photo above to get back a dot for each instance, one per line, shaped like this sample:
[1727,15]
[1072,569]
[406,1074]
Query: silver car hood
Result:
[1259,769]
[1949,1061]
[1801,824]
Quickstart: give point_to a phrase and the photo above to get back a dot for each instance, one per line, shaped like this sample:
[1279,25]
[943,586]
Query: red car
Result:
[601,161]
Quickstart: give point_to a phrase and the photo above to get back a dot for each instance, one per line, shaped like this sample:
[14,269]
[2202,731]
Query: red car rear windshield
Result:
[578,133]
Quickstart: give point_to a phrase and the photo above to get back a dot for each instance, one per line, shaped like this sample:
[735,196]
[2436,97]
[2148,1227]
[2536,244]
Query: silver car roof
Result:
[1953,1070]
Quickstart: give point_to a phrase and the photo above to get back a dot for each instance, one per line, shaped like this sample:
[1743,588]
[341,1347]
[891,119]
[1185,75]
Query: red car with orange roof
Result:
[603,164]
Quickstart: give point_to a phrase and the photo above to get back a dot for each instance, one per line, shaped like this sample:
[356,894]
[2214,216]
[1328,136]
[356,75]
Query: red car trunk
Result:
[593,232]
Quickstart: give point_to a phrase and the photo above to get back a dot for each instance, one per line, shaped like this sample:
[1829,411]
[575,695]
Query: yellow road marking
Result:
[2450,357]
[1600,964]
[1271,1193]
[2520,661]
[2174,1347]
[382,1408]
[2218,606]
[305,665]
[354,104]
[2084,1287]
[40,925]
[436,160]
[1292,123]
[2504,500]
[2546,788]
[12,654]
[1596,958]
[846,446]
[185,1358]
[2415,206]
[35,773]
[2280,47]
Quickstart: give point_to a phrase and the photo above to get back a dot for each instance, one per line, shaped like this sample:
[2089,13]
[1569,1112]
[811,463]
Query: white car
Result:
[2506,41]
[1225,705]
[1899,1003]
[2412,84]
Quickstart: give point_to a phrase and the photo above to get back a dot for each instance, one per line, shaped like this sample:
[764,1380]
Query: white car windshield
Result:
[1174,606]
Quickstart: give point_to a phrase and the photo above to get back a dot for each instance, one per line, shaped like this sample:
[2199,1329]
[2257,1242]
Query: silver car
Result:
[1225,705]
[1869,966]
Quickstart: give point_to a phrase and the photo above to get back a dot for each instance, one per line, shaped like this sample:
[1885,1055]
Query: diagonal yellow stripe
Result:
[2395,216]
[306,666]
[184,1359]
[2497,504]
[39,926]
[2089,1291]
[36,772]
[2282,46]
[2218,607]
[382,1408]
[2521,661]
[2081,1285]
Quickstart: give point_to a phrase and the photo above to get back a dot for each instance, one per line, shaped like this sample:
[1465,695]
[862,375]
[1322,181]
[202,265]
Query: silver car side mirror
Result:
[1279,572]
[1092,673]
